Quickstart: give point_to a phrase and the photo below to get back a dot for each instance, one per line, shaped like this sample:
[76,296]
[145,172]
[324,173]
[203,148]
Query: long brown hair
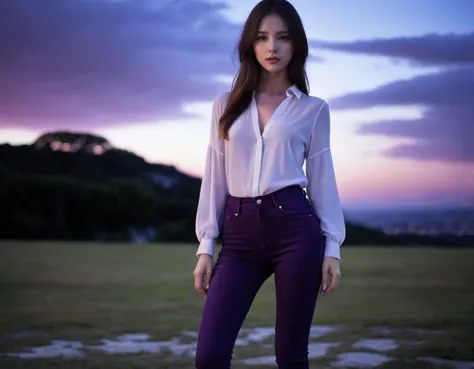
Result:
[248,76]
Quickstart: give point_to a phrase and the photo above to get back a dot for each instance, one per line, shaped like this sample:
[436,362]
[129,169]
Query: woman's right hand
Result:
[203,271]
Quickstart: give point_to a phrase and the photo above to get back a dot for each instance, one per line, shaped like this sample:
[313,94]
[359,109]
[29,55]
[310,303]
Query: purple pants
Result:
[278,234]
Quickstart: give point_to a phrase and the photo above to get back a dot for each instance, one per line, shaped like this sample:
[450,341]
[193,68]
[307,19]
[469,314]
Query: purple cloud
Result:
[452,87]
[446,130]
[443,133]
[92,63]
[431,49]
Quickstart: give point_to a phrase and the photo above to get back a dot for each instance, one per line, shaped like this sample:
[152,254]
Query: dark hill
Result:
[77,155]
[78,186]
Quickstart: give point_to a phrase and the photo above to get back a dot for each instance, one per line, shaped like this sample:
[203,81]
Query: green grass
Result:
[87,292]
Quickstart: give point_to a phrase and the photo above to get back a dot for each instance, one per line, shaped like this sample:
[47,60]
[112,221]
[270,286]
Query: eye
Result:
[261,38]
[285,38]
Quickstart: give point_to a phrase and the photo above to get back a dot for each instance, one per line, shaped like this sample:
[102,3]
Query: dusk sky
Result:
[398,76]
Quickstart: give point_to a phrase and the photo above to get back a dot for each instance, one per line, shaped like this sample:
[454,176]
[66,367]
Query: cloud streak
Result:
[428,50]
[452,87]
[446,130]
[93,63]
[443,134]
[99,63]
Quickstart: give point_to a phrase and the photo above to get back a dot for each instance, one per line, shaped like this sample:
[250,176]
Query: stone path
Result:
[370,353]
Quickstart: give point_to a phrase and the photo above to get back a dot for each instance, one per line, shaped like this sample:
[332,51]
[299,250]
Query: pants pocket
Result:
[299,208]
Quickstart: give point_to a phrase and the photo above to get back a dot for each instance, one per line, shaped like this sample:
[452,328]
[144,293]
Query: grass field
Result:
[412,302]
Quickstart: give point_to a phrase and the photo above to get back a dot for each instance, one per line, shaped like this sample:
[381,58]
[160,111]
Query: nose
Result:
[272,47]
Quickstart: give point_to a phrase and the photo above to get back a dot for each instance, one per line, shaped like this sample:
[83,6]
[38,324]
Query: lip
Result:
[273,59]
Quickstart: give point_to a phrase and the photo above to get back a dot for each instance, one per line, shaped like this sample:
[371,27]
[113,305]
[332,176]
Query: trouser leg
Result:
[297,281]
[298,253]
[231,293]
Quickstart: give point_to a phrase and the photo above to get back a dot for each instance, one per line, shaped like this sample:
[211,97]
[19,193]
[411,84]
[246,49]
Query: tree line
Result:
[55,195]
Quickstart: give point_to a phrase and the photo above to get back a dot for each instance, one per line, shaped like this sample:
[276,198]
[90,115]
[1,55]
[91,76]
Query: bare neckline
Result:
[271,119]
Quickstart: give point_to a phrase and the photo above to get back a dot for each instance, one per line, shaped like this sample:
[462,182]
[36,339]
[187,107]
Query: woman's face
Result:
[273,46]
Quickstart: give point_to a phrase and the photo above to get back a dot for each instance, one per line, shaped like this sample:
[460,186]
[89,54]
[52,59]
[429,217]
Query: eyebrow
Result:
[278,33]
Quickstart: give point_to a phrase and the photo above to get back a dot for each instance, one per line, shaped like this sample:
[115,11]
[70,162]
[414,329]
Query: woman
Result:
[253,197]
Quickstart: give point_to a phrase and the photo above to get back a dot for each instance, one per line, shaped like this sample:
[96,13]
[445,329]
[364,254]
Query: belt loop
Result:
[240,206]
[275,202]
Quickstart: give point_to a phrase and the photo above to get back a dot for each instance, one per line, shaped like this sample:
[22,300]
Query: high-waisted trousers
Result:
[275,234]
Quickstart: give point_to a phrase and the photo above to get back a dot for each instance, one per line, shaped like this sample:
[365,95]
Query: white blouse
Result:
[251,164]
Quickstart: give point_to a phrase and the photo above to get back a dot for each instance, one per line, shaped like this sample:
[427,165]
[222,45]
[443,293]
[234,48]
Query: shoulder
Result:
[220,102]
[218,107]
[319,112]
[317,103]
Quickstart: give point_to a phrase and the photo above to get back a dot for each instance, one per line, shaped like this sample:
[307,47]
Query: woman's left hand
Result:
[330,270]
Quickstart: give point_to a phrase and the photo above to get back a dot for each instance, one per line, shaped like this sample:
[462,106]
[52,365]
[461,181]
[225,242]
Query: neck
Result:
[274,82]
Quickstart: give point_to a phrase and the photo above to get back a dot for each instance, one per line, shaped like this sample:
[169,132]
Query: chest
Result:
[267,107]
[273,124]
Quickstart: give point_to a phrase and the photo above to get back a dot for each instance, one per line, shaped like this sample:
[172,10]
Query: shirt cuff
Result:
[206,247]
[333,249]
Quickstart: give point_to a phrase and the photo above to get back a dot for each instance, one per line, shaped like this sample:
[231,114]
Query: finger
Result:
[208,278]
[198,283]
[335,278]
[324,281]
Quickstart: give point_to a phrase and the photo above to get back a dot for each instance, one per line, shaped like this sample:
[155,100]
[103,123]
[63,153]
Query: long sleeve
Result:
[214,187]
[322,188]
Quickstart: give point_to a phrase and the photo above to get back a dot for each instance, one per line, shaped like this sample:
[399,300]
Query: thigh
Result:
[298,272]
[232,289]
